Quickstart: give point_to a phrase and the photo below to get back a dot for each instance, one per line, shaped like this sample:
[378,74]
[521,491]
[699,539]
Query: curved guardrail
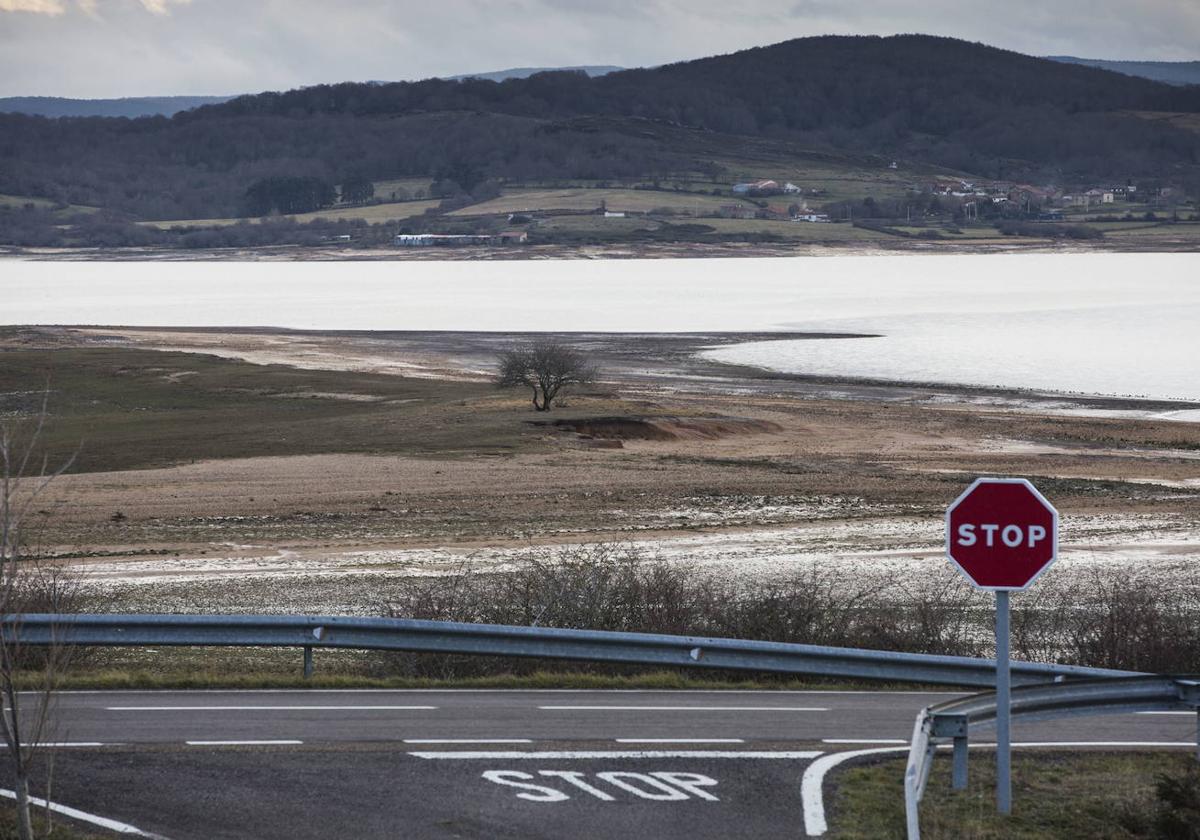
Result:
[952,721]
[309,632]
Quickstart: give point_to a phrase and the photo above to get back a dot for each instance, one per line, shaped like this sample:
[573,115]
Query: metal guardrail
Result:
[309,632]
[952,721]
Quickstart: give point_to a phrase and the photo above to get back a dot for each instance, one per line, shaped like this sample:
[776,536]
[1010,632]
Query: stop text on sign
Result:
[1012,536]
[1002,534]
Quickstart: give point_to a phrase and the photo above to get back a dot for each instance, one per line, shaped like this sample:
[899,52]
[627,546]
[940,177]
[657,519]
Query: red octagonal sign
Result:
[1002,534]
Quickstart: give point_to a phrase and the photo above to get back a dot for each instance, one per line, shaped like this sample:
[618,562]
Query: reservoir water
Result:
[1117,324]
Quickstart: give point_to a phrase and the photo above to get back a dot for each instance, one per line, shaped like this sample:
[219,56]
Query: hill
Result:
[526,72]
[134,106]
[1170,72]
[855,101]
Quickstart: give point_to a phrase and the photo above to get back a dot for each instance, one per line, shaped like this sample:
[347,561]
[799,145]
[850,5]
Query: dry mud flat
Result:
[727,470]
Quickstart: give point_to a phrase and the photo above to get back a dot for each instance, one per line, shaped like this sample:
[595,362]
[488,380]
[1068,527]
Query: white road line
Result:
[1189,714]
[1189,744]
[242,743]
[683,709]
[468,740]
[569,755]
[61,744]
[680,740]
[813,779]
[863,741]
[83,816]
[267,708]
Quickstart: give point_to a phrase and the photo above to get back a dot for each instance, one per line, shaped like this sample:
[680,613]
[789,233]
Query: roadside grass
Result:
[59,829]
[173,677]
[133,408]
[1065,796]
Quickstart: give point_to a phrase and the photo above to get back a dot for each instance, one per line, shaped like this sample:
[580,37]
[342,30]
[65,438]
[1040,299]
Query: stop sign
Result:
[1002,533]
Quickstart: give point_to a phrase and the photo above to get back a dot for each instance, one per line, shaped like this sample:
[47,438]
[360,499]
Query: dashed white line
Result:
[243,743]
[1189,714]
[468,740]
[566,755]
[680,740]
[268,708]
[863,741]
[684,708]
[61,744]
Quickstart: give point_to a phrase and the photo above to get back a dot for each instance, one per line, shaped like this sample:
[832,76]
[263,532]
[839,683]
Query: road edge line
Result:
[84,816]
[812,785]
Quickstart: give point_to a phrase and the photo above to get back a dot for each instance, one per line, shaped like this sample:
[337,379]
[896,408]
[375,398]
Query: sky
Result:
[111,48]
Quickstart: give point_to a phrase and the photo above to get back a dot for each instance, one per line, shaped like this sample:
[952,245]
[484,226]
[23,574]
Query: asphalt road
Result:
[490,764]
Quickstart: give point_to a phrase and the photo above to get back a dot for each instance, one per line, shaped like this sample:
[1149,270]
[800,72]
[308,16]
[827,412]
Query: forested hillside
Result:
[936,101]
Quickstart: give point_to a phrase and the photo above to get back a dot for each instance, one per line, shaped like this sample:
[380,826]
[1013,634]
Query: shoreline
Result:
[825,474]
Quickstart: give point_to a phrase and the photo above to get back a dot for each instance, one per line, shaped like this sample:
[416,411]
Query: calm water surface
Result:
[1096,323]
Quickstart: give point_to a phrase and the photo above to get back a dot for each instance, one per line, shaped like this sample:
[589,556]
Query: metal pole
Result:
[308,665]
[1003,703]
[959,775]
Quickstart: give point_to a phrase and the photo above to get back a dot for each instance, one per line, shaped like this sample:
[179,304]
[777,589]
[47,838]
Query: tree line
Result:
[964,106]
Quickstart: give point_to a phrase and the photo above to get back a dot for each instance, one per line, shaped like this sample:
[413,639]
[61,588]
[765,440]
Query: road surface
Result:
[494,764]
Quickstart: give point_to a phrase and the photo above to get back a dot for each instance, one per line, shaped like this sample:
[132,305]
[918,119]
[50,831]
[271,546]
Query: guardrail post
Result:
[959,777]
[308,665]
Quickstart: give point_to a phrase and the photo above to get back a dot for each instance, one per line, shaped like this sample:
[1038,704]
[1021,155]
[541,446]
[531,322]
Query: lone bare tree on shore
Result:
[545,367]
[28,584]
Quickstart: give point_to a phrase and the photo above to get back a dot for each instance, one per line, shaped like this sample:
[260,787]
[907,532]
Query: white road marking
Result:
[680,740]
[683,708]
[567,755]
[243,743]
[61,744]
[577,779]
[83,816]
[468,740]
[1189,714]
[659,791]
[267,708]
[658,787]
[863,741]
[1189,744]
[813,779]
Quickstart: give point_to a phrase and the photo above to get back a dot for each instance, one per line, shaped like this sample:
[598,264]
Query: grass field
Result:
[384,189]
[371,213]
[798,231]
[16,202]
[642,201]
[125,409]
[1076,796]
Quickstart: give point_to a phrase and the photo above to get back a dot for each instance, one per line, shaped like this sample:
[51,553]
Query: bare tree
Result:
[28,584]
[545,367]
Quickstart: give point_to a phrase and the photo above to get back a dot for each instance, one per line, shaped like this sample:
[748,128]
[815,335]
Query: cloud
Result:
[159,7]
[37,7]
[105,48]
[89,7]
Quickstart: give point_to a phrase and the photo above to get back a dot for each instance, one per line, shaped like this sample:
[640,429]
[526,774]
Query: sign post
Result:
[1002,534]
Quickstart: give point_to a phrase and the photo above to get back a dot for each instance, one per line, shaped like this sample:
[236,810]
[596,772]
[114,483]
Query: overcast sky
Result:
[108,48]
